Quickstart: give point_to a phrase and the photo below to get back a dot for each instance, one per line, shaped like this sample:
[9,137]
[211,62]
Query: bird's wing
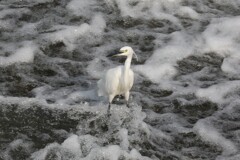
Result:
[112,79]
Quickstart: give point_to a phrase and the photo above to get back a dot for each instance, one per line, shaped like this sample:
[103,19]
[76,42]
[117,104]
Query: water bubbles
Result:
[185,97]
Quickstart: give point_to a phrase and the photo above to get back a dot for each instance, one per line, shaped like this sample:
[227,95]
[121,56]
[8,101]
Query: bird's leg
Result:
[127,98]
[127,104]
[109,107]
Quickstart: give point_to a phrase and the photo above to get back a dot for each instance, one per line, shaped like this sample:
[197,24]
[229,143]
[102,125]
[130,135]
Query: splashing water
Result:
[185,100]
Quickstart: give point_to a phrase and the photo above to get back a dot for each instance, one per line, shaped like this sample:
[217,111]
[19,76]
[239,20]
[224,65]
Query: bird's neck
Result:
[127,64]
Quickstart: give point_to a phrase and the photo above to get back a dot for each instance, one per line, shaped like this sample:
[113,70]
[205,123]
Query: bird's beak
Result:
[111,54]
[114,54]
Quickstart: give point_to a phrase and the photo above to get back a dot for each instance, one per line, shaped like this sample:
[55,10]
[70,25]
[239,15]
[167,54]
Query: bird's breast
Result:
[125,83]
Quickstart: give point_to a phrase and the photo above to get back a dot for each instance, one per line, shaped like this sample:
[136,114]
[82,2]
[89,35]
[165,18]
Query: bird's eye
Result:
[125,50]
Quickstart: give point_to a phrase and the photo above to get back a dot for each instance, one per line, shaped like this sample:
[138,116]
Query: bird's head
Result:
[124,51]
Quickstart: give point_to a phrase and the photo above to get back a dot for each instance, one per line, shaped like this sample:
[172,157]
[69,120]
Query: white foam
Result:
[79,95]
[40,1]
[42,153]
[42,92]
[110,3]
[219,93]
[9,24]
[231,65]
[188,12]
[229,157]
[65,95]
[88,147]
[98,24]
[29,28]
[6,25]
[209,134]
[137,122]
[16,11]
[21,55]
[222,36]
[123,135]
[70,35]
[160,66]
[157,73]
[17,144]
[231,110]
[8,47]
[114,152]
[134,154]
[149,9]
[231,3]
[73,145]
[180,46]
[88,143]
[80,8]
[97,67]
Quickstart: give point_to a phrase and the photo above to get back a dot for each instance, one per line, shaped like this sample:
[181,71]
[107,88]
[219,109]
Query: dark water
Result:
[184,102]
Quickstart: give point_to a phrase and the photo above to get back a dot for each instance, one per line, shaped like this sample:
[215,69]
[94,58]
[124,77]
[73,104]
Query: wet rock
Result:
[161,93]
[44,71]
[154,23]
[194,110]
[19,150]
[73,69]
[64,71]
[196,63]
[16,80]
[56,49]
[39,124]
[22,89]
[162,25]
[156,91]
[188,144]
[127,22]
[147,44]
[56,153]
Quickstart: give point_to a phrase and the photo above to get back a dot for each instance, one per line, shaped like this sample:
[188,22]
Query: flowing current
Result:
[184,104]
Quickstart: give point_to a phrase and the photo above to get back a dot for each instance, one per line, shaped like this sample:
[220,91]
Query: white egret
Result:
[118,80]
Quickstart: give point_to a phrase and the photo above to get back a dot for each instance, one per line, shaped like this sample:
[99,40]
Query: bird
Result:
[118,80]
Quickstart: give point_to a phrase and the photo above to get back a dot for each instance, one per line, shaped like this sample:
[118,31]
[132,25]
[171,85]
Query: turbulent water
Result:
[185,100]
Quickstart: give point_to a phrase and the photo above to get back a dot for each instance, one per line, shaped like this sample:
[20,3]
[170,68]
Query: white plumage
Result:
[118,80]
